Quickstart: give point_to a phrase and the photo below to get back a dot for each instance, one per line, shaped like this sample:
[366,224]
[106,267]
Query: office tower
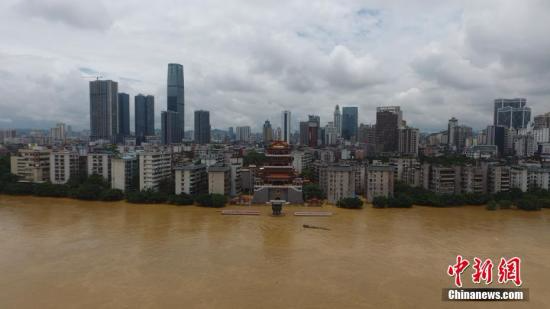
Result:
[267,132]
[349,122]
[176,99]
[144,108]
[496,135]
[170,132]
[462,134]
[304,127]
[367,134]
[408,141]
[451,132]
[331,134]
[542,121]
[123,115]
[286,126]
[388,121]
[243,134]
[103,110]
[511,113]
[314,131]
[58,133]
[231,133]
[6,135]
[202,127]
[278,134]
[338,121]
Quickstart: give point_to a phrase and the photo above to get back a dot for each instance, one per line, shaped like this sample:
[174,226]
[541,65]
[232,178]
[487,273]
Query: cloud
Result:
[77,13]
[449,69]
[247,61]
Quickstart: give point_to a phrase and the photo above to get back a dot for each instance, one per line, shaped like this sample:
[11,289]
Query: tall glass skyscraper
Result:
[176,99]
[144,107]
[123,115]
[349,122]
[169,129]
[388,121]
[103,110]
[512,113]
[285,121]
[202,127]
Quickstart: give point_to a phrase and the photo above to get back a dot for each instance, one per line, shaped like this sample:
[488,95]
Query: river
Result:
[58,253]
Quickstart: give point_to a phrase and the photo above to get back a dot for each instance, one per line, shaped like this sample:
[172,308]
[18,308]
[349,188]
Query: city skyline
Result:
[458,60]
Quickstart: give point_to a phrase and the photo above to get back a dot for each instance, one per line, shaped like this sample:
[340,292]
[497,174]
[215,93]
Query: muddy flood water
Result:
[62,253]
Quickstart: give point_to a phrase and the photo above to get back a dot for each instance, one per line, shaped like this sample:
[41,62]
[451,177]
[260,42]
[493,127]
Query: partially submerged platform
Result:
[313,213]
[237,212]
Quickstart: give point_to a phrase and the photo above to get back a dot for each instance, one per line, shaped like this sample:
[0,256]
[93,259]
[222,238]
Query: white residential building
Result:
[64,164]
[31,165]
[379,181]
[154,166]
[219,179]
[123,171]
[301,160]
[340,182]
[99,164]
[191,179]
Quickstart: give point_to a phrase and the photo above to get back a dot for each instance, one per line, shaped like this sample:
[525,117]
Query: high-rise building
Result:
[451,132]
[314,131]
[286,127]
[496,135]
[103,110]
[231,133]
[170,132]
[58,133]
[202,127]
[267,132]
[542,121]
[338,121]
[243,134]
[388,122]
[350,123]
[176,99]
[144,108]
[123,115]
[367,134]
[512,113]
[331,134]
[408,141]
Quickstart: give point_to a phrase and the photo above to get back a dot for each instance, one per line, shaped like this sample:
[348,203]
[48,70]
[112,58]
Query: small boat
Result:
[313,213]
[237,212]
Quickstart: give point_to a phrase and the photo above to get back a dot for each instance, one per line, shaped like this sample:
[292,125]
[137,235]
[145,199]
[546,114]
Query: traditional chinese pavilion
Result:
[276,179]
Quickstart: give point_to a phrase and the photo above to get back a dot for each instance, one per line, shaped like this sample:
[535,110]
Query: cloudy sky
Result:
[246,61]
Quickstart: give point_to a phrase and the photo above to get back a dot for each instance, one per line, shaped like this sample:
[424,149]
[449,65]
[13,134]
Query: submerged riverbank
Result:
[70,253]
